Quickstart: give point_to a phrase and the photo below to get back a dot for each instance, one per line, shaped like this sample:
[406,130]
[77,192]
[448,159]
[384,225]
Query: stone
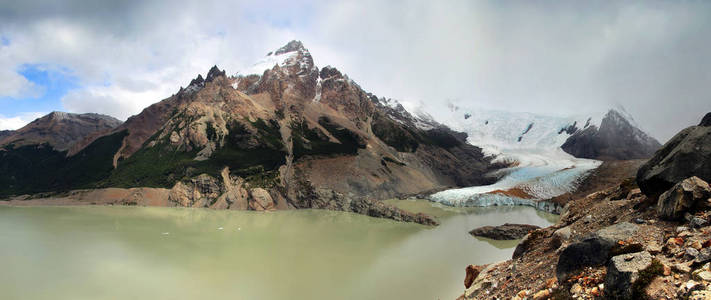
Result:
[472,272]
[682,197]
[634,193]
[686,154]
[593,250]
[542,294]
[697,222]
[691,253]
[686,289]
[618,232]
[563,233]
[623,271]
[702,275]
[504,232]
[560,236]
[696,245]
[522,294]
[703,257]
[700,295]
[653,248]
[681,268]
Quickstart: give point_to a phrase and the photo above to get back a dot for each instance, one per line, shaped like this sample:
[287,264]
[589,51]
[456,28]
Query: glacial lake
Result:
[102,252]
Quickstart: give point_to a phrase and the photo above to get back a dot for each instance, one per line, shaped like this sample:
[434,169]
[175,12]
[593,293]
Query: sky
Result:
[549,57]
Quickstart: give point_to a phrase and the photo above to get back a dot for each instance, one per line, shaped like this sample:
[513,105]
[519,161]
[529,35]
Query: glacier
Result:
[529,142]
[540,173]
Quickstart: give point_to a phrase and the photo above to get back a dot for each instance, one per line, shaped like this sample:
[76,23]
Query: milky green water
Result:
[100,252]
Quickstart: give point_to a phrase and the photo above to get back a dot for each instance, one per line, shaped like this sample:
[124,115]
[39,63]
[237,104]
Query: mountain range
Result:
[286,134]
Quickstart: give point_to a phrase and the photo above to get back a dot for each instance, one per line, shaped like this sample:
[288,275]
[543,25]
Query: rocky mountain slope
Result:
[284,134]
[615,139]
[616,243]
[59,130]
[5,133]
[34,158]
[612,135]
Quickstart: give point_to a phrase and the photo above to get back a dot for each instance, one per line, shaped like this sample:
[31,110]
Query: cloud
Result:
[15,85]
[16,122]
[544,57]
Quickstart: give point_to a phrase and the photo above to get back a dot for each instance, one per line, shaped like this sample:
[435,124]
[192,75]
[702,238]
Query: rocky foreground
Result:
[621,242]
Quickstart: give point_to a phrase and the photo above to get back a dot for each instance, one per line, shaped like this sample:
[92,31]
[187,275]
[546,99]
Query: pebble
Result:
[542,294]
[703,275]
[691,252]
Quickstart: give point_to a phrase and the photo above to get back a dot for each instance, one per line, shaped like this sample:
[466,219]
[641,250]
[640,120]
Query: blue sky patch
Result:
[54,82]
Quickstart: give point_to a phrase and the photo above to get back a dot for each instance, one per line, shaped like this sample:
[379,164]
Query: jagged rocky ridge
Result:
[615,139]
[611,135]
[289,136]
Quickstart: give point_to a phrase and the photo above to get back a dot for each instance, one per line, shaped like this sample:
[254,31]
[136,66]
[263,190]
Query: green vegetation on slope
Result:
[39,168]
[162,165]
[308,141]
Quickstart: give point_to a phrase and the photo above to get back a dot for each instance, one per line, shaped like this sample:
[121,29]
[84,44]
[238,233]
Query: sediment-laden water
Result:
[176,253]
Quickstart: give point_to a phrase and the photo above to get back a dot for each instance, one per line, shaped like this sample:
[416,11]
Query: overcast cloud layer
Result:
[545,57]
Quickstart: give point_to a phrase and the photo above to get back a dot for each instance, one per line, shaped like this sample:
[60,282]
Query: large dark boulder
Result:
[687,154]
[616,139]
[504,232]
[594,250]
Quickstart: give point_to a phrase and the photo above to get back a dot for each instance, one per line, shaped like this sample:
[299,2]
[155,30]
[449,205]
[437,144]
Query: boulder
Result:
[687,154]
[594,250]
[471,274]
[683,197]
[504,232]
[623,273]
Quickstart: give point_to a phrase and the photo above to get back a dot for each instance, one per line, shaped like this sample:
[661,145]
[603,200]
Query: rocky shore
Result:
[648,237]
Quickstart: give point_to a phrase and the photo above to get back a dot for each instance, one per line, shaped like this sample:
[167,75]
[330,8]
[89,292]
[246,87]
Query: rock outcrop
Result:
[686,154]
[616,139]
[687,196]
[706,120]
[504,232]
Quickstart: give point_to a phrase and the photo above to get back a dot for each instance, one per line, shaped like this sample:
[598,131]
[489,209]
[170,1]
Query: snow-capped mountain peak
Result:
[291,55]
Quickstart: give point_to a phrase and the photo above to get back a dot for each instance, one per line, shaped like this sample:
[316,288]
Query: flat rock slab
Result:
[623,271]
[504,232]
